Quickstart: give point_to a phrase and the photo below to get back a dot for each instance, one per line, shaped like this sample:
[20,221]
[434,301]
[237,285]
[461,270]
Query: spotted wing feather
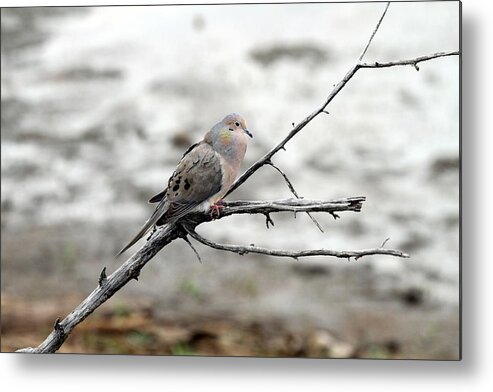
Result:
[157,198]
[197,178]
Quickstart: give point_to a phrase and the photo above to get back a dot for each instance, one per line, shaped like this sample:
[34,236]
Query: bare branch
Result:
[284,205]
[374,32]
[414,62]
[268,220]
[293,191]
[162,237]
[322,109]
[286,179]
[316,222]
[345,254]
[127,271]
[185,238]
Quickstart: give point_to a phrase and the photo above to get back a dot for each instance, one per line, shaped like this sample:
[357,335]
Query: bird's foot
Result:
[216,209]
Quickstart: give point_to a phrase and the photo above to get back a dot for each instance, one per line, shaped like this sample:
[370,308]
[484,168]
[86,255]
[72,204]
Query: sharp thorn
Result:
[58,327]
[102,277]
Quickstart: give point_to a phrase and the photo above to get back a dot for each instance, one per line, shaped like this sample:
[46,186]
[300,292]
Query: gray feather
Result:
[197,178]
[158,213]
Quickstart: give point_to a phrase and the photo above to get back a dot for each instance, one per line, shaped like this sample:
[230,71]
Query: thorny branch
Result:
[129,270]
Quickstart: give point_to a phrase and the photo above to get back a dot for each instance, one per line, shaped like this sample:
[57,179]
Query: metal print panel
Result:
[266,180]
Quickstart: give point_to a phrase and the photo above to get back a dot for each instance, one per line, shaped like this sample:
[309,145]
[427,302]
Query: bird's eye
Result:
[237,123]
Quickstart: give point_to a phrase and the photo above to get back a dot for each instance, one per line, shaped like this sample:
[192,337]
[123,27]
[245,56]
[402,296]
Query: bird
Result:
[202,177]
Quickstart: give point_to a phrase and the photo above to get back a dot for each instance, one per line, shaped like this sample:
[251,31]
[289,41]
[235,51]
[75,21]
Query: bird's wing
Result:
[158,213]
[157,198]
[196,179]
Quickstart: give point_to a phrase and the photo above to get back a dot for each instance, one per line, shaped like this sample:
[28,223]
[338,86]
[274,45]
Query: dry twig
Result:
[345,254]
[293,191]
[374,32]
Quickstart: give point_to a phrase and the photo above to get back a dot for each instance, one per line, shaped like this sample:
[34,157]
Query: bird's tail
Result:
[158,213]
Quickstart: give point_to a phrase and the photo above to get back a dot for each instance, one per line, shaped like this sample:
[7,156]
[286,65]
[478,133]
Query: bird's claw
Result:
[216,209]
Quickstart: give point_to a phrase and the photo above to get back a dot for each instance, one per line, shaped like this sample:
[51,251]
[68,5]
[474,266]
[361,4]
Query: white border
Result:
[474,373]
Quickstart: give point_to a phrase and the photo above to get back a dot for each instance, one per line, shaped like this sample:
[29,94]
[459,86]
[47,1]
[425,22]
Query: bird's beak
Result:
[248,132]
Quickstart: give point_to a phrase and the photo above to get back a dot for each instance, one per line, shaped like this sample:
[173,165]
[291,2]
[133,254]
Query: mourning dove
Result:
[203,176]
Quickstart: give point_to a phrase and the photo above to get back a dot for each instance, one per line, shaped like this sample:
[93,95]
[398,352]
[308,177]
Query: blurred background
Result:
[99,104]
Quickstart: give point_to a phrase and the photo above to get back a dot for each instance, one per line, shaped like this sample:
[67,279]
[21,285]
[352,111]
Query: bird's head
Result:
[235,122]
[229,137]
